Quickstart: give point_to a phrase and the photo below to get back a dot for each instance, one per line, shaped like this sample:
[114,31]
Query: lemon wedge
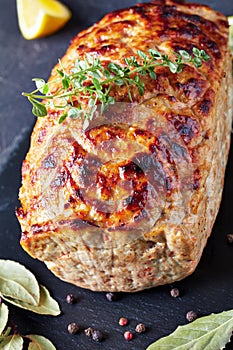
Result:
[39,18]
[230,20]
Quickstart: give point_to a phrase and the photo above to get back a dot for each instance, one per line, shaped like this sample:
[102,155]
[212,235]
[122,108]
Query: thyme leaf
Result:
[93,81]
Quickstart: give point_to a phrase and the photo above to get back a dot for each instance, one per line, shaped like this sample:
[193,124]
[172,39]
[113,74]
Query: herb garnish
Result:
[94,81]
[19,287]
[210,332]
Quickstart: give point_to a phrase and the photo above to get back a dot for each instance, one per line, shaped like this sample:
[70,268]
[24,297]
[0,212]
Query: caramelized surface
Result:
[137,185]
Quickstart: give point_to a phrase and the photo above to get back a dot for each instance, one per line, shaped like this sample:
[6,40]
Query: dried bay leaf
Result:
[4,312]
[211,332]
[39,343]
[6,332]
[47,305]
[12,342]
[17,282]
[4,335]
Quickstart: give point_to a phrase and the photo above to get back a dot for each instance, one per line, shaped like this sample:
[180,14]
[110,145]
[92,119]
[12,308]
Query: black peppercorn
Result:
[191,316]
[73,328]
[174,292]
[230,238]
[97,335]
[140,328]
[70,299]
[111,296]
[89,331]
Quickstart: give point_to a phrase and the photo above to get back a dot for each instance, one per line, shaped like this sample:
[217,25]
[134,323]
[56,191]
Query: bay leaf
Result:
[47,305]
[12,342]
[211,332]
[4,312]
[39,342]
[18,283]
[6,332]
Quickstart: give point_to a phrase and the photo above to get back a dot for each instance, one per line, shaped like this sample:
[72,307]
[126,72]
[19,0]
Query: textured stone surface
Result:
[21,60]
[208,290]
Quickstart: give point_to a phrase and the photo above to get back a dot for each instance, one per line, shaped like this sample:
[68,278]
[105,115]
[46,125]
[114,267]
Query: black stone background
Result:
[209,289]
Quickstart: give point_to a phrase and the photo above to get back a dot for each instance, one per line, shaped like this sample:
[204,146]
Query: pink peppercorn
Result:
[123,321]
[128,335]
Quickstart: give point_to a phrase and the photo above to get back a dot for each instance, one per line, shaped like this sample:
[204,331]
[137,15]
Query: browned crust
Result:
[194,106]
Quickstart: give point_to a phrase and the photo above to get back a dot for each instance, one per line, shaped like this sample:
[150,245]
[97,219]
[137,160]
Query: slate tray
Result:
[209,289]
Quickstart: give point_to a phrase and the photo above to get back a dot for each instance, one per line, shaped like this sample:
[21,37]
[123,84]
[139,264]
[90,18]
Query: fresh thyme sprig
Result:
[92,81]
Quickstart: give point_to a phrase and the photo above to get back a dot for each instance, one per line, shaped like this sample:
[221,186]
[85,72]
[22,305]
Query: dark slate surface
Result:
[209,289]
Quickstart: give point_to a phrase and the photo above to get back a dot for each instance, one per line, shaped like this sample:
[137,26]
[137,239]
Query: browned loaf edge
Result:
[101,251]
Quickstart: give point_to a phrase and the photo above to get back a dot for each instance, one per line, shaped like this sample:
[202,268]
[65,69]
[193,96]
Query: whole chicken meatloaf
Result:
[128,201]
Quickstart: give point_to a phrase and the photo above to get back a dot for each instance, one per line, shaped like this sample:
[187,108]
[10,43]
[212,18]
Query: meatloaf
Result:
[128,201]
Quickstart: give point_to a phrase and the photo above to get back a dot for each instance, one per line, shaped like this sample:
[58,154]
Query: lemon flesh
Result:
[38,18]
